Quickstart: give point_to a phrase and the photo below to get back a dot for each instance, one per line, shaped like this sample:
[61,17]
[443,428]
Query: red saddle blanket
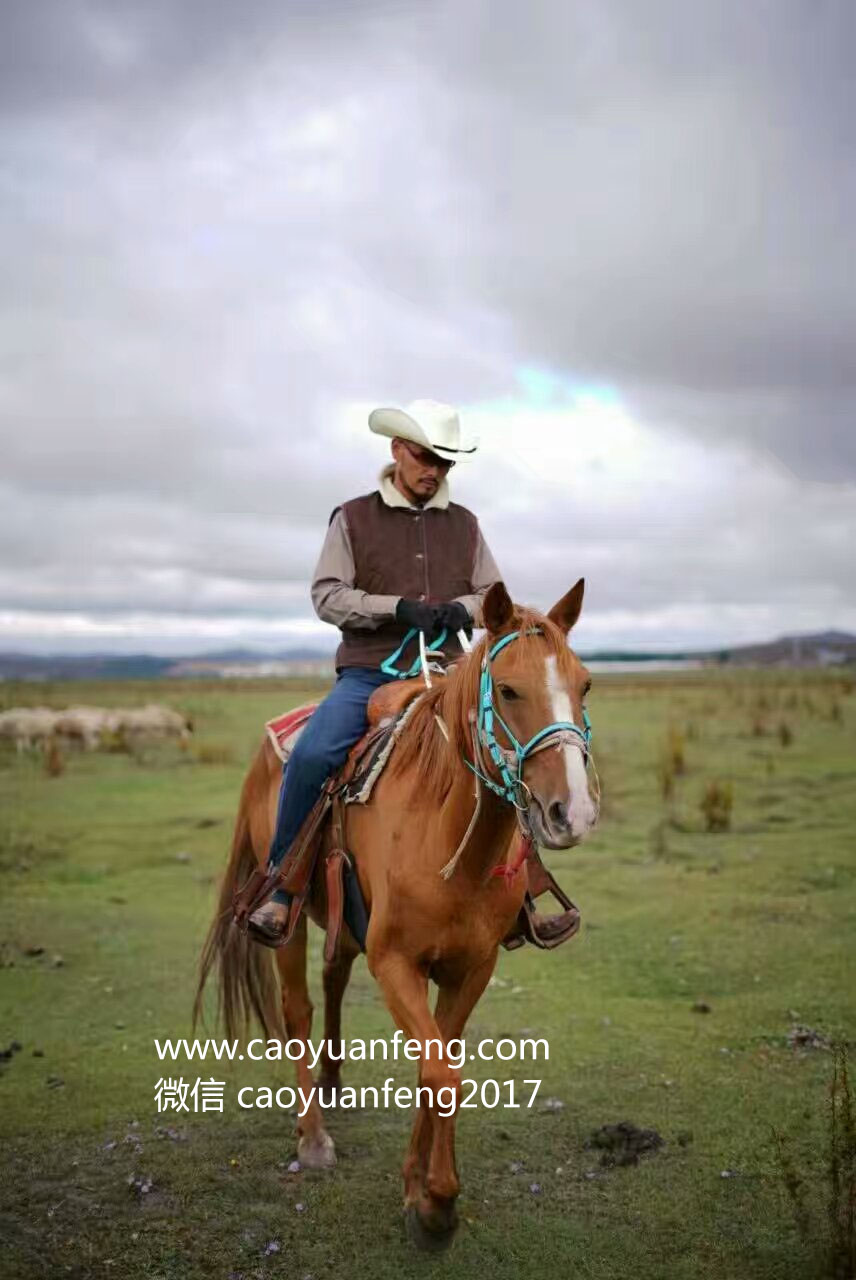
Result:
[285,729]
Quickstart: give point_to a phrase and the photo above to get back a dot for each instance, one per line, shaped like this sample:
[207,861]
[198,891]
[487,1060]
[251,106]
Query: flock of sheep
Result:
[90,727]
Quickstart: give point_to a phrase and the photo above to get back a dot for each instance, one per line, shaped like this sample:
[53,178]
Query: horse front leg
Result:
[455,1002]
[430,1137]
[431,1185]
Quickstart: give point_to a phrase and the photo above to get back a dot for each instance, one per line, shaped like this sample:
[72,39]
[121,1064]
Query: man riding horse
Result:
[443,862]
[397,561]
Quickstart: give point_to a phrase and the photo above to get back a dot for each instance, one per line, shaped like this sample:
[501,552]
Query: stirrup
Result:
[284,936]
[254,894]
[544,932]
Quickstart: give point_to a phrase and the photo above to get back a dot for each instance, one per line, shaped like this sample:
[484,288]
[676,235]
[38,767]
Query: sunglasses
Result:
[426,458]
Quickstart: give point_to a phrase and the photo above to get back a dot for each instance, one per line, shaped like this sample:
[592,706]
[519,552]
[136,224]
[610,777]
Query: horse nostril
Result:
[557,814]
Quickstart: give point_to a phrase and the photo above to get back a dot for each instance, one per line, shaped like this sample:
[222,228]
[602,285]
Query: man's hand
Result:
[424,617]
[454,616]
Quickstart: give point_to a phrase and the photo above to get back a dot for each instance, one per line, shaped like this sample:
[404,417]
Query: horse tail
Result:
[247,986]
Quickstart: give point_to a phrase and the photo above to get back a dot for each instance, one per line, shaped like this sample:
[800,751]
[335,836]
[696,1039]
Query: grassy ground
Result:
[108,873]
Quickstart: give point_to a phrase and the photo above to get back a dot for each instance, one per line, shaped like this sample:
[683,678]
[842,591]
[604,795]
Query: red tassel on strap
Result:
[508,870]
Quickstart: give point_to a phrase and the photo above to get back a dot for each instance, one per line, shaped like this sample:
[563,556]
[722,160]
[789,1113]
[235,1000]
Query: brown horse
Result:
[424,926]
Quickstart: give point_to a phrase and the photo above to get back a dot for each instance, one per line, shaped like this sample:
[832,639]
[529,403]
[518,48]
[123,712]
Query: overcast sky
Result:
[620,236]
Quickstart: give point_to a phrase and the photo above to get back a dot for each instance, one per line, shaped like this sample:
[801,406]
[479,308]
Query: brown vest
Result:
[416,553]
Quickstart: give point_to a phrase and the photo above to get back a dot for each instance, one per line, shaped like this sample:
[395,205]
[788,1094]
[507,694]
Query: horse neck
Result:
[488,842]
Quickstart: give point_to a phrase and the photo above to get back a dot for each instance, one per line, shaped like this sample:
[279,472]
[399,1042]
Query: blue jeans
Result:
[322,747]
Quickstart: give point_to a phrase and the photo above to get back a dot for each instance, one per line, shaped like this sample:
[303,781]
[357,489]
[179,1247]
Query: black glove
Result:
[454,616]
[424,617]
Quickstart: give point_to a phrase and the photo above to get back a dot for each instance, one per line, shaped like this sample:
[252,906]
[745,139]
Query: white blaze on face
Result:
[581,810]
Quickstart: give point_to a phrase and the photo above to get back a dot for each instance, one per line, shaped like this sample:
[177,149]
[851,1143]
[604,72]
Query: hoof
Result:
[317,1153]
[430,1239]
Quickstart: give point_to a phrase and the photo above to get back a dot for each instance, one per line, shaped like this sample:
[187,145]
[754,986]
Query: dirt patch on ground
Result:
[623,1143]
[800,1037]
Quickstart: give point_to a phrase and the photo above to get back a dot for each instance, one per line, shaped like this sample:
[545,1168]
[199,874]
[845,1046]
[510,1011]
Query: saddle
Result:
[388,711]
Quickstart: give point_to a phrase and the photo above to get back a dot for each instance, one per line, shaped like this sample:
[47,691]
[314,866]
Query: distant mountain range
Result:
[147,666]
[826,648]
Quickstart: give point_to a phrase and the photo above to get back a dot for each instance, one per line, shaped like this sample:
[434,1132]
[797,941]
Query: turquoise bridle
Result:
[510,762]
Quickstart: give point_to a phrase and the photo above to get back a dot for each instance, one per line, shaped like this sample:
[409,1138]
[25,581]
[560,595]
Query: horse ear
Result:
[497,608]
[569,608]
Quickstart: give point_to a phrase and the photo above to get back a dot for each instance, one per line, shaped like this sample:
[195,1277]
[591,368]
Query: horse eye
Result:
[587,689]
[508,693]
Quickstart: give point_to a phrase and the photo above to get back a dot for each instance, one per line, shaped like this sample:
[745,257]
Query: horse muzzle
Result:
[561,826]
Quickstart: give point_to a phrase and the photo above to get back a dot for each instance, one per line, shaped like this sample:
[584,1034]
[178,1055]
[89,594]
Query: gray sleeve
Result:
[485,574]
[334,595]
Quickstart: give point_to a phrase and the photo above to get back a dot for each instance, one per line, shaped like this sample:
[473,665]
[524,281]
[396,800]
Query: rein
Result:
[421,663]
[434,645]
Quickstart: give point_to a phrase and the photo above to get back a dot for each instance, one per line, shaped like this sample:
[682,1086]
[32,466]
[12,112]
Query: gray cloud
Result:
[85,53]
[220,225]
[673,186]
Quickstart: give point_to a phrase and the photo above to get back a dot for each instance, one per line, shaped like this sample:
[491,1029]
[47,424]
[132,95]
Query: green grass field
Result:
[108,874]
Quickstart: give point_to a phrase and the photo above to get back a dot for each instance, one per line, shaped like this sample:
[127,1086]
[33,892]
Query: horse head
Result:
[538,691]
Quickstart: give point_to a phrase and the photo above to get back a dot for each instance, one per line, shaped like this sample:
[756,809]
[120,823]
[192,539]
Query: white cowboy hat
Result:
[435,426]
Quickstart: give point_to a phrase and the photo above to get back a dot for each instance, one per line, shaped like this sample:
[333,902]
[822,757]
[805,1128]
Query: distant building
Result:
[263,669]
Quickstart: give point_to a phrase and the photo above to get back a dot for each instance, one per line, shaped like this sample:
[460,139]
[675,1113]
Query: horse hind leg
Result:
[337,973]
[315,1147]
